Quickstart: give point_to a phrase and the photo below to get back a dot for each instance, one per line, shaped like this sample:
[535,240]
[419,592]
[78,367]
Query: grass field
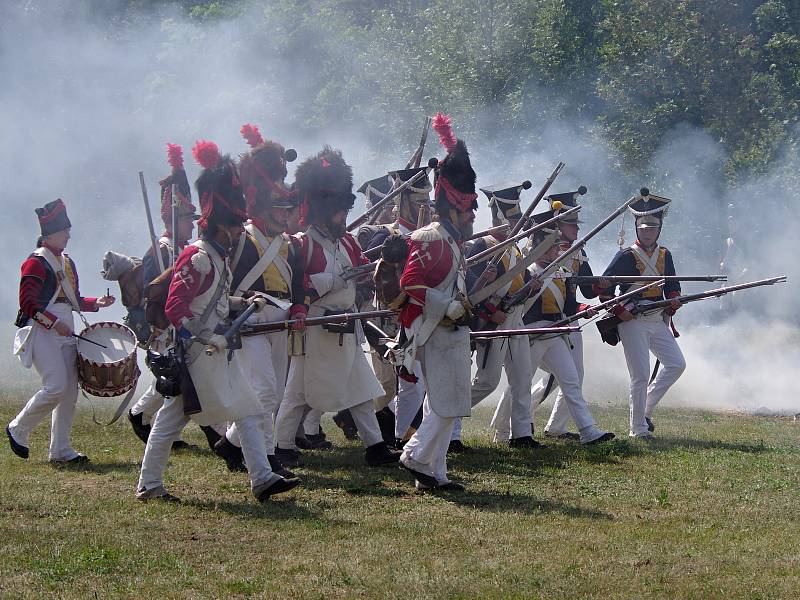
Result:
[709,510]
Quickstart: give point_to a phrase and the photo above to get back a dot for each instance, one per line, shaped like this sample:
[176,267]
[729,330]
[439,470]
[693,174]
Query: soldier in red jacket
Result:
[435,316]
[198,305]
[48,295]
[332,374]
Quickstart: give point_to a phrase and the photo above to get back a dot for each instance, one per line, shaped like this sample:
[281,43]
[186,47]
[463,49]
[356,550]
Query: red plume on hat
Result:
[177,179]
[252,135]
[206,154]
[174,156]
[442,125]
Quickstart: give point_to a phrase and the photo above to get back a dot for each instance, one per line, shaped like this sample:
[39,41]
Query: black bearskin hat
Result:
[218,186]
[324,185]
[263,170]
[455,183]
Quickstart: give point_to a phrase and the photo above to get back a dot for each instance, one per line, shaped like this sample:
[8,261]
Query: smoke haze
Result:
[89,101]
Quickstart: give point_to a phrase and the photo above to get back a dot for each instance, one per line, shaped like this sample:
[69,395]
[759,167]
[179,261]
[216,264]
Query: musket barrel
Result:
[378,206]
[153,242]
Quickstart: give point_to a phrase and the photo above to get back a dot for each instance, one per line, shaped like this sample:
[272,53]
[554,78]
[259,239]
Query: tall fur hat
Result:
[218,187]
[263,170]
[455,183]
[181,182]
[324,185]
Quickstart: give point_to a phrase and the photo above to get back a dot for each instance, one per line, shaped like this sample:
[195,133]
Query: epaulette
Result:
[429,233]
[201,262]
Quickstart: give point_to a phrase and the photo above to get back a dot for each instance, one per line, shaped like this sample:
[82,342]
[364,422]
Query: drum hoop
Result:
[110,392]
[112,325]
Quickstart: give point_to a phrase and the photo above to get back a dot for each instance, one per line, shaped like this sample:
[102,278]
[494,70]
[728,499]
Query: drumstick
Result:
[80,337]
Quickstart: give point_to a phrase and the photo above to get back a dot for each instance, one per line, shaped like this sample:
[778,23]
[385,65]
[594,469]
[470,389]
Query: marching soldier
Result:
[48,295]
[435,317]
[553,353]
[558,424]
[645,333]
[514,352]
[144,409]
[413,211]
[199,300]
[332,374]
[265,265]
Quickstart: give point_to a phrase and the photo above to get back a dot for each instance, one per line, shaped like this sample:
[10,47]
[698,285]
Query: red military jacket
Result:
[429,262]
[38,284]
[189,279]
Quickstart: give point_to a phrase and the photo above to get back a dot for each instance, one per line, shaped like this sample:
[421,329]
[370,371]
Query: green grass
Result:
[708,510]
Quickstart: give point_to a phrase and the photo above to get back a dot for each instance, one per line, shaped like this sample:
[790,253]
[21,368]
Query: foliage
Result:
[628,71]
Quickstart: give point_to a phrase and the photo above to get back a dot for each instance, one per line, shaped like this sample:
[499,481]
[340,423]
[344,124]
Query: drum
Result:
[111,370]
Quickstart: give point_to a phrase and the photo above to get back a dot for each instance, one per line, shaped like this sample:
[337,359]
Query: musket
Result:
[495,333]
[311,321]
[608,325]
[501,246]
[481,281]
[592,310]
[522,294]
[153,242]
[375,252]
[491,231]
[353,272]
[582,279]
[236,325]
[416,158]
[378,206]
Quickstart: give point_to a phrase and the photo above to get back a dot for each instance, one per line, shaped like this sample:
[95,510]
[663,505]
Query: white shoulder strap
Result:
[258,269]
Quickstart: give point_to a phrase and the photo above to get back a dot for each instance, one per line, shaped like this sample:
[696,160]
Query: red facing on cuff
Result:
[89,305]
[45,318]
[673,294]
[298,309]
[583,307]
[490,308]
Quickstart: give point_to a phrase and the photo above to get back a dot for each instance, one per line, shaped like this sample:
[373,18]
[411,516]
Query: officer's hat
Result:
[649,209]
[568,200]
[375,190]
[504,199]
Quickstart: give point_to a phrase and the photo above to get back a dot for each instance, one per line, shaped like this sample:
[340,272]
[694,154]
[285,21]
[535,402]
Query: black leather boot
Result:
[232,455]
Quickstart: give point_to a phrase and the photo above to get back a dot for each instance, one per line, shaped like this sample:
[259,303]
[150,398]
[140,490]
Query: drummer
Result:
[48,295]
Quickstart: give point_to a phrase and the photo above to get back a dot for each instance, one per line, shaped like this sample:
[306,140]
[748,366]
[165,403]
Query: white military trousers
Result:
[167,426]
[55,359]
[264,360]
[552,354]
[639,337]
[559,416]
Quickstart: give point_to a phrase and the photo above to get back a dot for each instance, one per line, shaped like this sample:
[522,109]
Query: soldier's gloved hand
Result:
[498,317]
[259,301]
[624,315]
[673,307]
[218,342]
[455,310]
[62,328]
